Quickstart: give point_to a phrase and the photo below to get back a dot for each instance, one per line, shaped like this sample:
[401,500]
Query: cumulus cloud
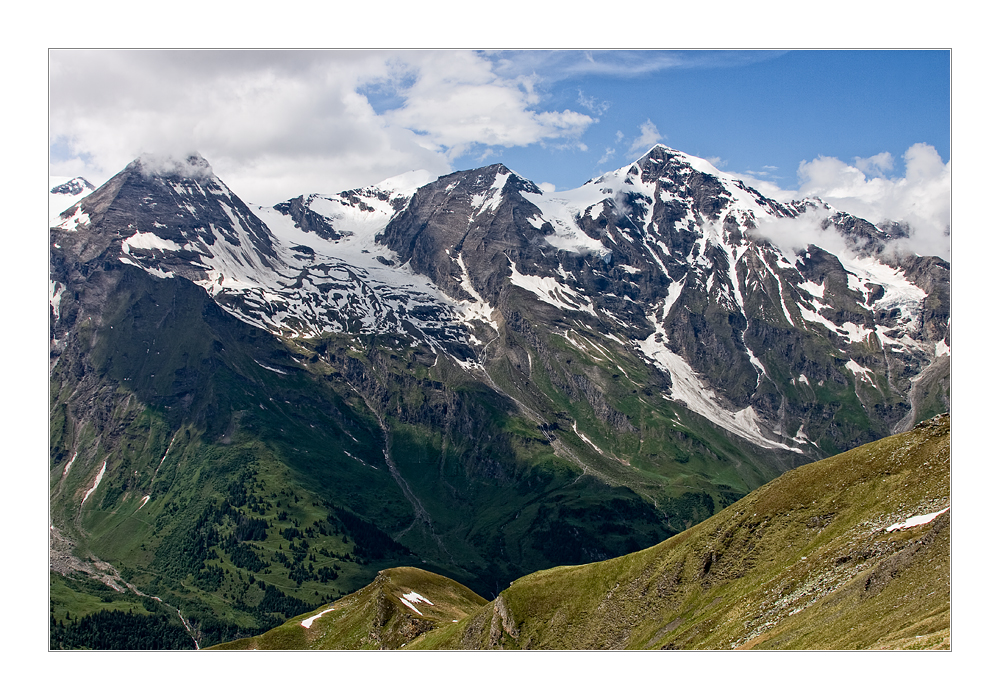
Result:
[794,235]
[275,124]
[193,166]
[648,137]
[920,197]
[876,165]
[457,100]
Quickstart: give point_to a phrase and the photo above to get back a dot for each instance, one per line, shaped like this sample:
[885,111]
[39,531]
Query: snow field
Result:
[915,521]
[97,482]
[413,597]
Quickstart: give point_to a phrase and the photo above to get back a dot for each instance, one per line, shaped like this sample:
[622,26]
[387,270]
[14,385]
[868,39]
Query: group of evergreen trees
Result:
[116,630]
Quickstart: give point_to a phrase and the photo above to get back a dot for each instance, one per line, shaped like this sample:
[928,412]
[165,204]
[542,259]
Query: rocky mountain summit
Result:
[477,375]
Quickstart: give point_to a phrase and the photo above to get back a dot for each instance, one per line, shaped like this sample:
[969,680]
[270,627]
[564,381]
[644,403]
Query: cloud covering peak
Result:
[920,198]
[191,166]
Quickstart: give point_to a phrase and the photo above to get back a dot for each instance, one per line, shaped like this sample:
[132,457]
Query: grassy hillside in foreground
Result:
[808,561]
[399,605]
[805,561]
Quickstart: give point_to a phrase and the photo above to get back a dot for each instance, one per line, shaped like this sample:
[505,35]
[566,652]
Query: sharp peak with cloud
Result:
[190,166]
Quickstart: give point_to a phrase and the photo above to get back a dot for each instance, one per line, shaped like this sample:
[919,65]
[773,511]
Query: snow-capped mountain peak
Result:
[64,193]
[668,256]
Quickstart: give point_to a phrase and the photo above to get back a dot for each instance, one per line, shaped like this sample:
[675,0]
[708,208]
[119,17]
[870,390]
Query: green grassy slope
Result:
[399,605]
[804,562]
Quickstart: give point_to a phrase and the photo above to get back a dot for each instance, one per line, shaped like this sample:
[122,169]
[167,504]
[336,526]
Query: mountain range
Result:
[256,408]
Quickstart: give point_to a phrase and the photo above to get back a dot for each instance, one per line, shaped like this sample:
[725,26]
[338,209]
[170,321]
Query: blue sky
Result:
[867,130]
[762,112]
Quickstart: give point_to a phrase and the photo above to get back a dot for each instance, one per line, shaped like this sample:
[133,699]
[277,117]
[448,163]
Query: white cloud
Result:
[648,137]
[794,235]
[591,103]
[920,198]
[458,100]
[622,63]
[275,124]
[876,165]
[608,152]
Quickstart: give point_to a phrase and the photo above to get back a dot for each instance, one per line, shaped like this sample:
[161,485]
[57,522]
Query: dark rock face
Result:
[478,215]
[307,219]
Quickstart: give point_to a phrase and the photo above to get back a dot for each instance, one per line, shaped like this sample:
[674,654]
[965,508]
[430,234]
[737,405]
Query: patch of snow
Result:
[55,297]
[551,291]
[478,309]
[777,278]
[145,500]
[940,348]
[782,262]
[411,606]
[856,283]
[157,272]
[147,241]
[814,290]
[899,292]
[915,521]
[97,482]
[811,316]
[586,439]
[74,220]
[307,623]
[493,197]
[61,201]
[69,464]
[562,210]
[866,373]
[413,597]
[357,459]
[854,332]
